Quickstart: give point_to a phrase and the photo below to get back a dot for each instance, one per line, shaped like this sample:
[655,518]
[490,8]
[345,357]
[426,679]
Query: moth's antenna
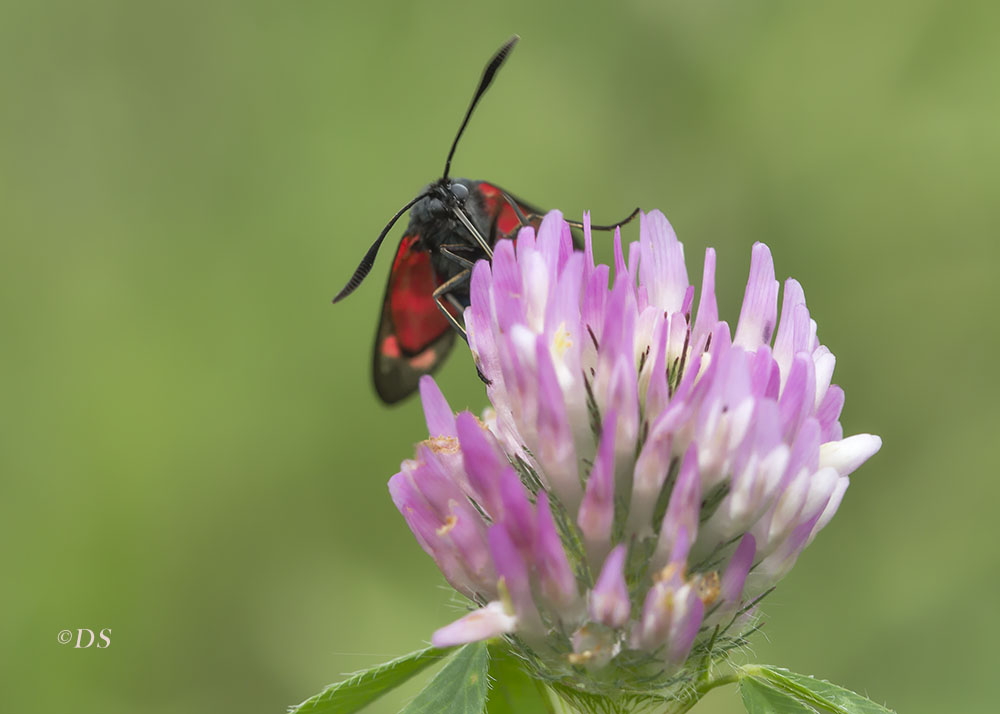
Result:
[491,69]
[369,260]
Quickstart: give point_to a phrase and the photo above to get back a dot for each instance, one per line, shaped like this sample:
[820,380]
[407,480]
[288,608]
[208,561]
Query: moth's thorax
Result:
[433,217]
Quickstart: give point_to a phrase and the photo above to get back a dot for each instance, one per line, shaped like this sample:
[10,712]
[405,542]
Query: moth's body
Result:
[428,287]
[433,220]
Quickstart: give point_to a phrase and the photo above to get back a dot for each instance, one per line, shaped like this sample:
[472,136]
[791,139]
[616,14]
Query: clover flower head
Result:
[643,475]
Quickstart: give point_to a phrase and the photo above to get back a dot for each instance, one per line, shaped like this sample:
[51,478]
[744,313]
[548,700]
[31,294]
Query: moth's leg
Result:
[579,224]
[464,219]
[517,209]
[444,292]
[449,252]
[632,215]
[493,228]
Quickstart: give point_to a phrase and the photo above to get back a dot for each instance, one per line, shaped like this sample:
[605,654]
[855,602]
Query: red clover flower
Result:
[644,475]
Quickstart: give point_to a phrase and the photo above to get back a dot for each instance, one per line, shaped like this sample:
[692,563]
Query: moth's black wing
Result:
[413,336]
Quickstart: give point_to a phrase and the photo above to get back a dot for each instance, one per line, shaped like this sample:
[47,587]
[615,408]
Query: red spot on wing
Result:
[425,360]
[390,347]
[416,319]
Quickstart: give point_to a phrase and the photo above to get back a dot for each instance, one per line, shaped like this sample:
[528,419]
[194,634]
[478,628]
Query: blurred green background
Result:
[191,452]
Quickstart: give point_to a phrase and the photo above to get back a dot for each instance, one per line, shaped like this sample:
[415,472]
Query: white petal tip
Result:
[848,454]
[478,625]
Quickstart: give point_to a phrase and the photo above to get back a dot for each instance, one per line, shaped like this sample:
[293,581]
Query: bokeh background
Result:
[191,451]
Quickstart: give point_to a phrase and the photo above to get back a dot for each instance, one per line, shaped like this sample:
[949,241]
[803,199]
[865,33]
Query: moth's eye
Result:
[459,191]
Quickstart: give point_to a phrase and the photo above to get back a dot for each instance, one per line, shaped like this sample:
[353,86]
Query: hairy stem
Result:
[702,689]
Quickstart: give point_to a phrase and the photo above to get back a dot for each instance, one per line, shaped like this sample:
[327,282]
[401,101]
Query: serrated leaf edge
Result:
[358,678]
[774,677]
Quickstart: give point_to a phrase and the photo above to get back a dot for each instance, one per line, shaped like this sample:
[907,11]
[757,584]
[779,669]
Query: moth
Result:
[453,223]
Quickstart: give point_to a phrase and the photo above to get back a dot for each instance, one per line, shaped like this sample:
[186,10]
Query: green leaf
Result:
[512,690]
[759,698]
[459,688]
[364,687]
[816,693]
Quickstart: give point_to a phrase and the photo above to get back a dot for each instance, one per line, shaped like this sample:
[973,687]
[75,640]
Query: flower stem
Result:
[704,688]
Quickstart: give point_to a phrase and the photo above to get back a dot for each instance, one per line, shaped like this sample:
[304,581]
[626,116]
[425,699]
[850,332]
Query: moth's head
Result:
[441,199]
